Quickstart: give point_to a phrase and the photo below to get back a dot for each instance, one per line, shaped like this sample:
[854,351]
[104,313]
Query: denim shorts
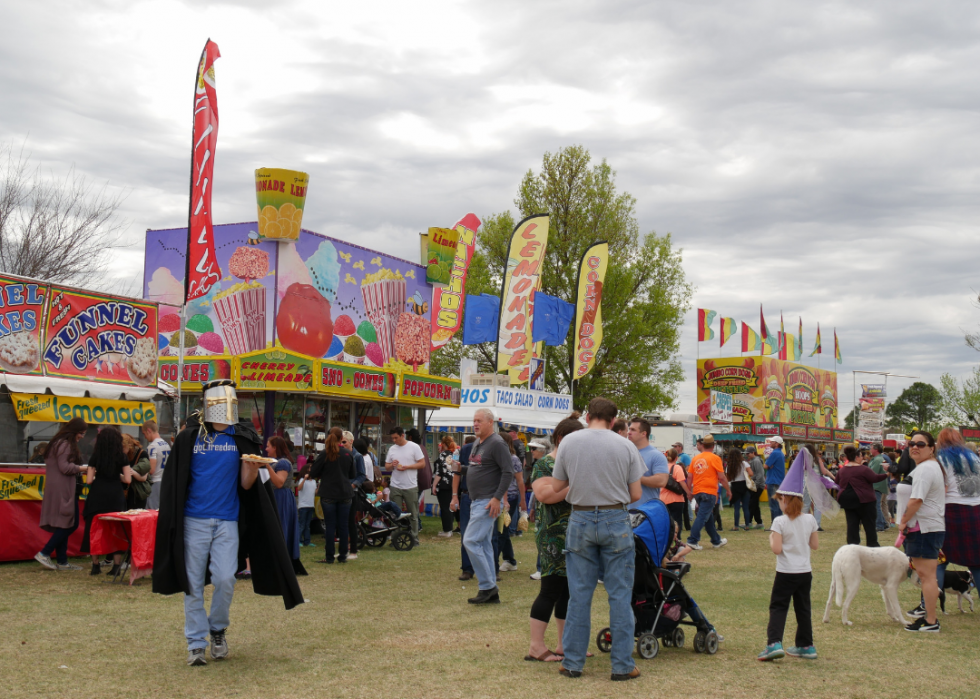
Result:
[924,544]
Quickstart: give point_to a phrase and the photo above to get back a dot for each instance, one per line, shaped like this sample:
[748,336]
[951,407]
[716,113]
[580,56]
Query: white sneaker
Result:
[351,556]
[45,561]
[696,547]
[507,566]
[536,575]
[720,543]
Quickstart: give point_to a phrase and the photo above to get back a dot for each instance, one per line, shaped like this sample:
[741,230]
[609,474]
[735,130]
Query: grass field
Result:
[394,624]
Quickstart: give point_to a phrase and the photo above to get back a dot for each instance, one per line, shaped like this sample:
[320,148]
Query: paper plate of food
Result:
[260,459]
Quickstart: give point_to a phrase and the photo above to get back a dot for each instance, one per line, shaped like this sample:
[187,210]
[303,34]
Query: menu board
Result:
[88,335]
[21,324]
[275,370]
[430,390]
[197,371]
[355,381]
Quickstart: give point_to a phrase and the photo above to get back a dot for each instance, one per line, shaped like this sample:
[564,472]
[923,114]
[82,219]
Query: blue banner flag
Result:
[480,318]
[552,318]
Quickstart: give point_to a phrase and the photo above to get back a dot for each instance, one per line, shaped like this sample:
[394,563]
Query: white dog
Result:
[886,566]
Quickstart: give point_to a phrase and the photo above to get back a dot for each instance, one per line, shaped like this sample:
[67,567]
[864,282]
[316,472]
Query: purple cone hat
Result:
[793,482]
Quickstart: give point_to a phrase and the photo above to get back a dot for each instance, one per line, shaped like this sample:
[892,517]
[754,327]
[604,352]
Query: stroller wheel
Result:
[711,643]
[402,541]
[677,638]
[377,539]
[699,642]
[647,646]
[603,640]
[361,538]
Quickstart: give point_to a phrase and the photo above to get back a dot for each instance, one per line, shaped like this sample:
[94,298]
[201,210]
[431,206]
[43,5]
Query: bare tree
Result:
[55,230]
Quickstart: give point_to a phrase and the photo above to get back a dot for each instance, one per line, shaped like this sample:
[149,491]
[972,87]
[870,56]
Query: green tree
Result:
[960,400]
[917,406]
[849,423]
[645,294]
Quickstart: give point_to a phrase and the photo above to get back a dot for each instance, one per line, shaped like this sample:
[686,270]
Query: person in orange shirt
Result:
[703,476]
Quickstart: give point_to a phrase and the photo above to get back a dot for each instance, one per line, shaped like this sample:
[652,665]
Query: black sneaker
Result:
[922,625]
[491,596]
[917,613]
[196,657]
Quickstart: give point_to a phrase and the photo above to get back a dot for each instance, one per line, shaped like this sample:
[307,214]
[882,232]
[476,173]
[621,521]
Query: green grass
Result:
[394,624]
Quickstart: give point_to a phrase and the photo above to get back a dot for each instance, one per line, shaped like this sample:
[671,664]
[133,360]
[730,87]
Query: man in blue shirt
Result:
[655,475]
[775,472]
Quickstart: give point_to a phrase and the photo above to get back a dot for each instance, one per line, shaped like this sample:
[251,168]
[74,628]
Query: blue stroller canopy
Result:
[651,523]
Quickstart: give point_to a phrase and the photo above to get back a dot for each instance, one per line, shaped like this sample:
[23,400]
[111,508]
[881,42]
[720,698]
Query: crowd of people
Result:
[213,520]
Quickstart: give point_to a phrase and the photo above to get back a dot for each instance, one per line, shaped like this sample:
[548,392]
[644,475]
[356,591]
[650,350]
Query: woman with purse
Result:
[442,484]
[675,494]
[739,473]
[857,497]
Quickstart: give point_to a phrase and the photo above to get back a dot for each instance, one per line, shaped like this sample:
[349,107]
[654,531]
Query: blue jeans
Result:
[305,517]
[478,541]
[881,523]
[217,539]
[335,524]
[704,518]
[464,521]
[599,540]
[513,502]
[742,502]
[774,509]
[58,543]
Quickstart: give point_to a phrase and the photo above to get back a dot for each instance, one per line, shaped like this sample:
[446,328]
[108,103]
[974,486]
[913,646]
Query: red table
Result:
[133,533]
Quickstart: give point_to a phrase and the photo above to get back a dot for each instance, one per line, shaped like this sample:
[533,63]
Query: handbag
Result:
[673,486]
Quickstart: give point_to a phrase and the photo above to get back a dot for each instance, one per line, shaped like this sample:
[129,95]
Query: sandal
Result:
[543,657]
[588,654]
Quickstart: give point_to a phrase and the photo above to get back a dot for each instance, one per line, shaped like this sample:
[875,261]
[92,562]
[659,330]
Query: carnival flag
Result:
[798,345]
[750,339]
[782,337]
[770,344]
[705,319]
[727,328]
[552,318]
[527,246]
[588,310]
[837,354]
[202,271]
[480,321]
[817,346]
[447,301]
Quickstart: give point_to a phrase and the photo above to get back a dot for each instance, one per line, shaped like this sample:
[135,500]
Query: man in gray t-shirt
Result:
[602,472]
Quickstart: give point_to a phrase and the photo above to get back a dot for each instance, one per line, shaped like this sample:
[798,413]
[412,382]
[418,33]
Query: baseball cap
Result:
[678,444]
[777,439]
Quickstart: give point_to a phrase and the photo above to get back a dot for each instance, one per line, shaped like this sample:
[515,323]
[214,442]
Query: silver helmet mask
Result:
[220,402]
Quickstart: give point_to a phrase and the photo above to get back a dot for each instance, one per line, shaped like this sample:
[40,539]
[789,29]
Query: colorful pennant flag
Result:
[750,339]
[770,345]
[705,318]
[837,354]
[727,328]
[818,346]
[782,337]
[798,345]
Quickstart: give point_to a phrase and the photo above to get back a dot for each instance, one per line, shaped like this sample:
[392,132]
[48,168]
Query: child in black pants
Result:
[793,535]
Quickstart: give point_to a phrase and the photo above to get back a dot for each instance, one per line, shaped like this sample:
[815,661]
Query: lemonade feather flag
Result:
[750,339]
[817,346]
[520,280]
[705,319]
[727,328]
[769,343]
[588,309]
[798,345]
[202,270]
[837,354]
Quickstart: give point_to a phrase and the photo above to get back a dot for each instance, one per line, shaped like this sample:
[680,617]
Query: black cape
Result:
[259,528]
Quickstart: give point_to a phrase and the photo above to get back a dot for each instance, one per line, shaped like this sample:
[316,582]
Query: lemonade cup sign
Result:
[281,195]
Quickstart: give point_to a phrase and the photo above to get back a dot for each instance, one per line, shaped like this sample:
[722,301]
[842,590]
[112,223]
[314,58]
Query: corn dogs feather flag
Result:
[727,328]
[769,343]
[798,345]
[837,354]
[750,339]
[588,310]
[705,318]
[817,346]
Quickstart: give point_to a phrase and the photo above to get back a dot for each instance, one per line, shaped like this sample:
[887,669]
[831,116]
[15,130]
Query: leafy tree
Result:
[917,406]
[849,422]
[960,401]
[645,294]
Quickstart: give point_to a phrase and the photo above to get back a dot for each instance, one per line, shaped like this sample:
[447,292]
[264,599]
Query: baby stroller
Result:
[376,525]
[660,603]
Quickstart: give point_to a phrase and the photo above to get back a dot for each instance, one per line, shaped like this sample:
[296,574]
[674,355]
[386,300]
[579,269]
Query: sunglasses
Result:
[918,445]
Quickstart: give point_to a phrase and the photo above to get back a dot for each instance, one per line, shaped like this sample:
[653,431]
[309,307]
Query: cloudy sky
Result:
[819,158]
